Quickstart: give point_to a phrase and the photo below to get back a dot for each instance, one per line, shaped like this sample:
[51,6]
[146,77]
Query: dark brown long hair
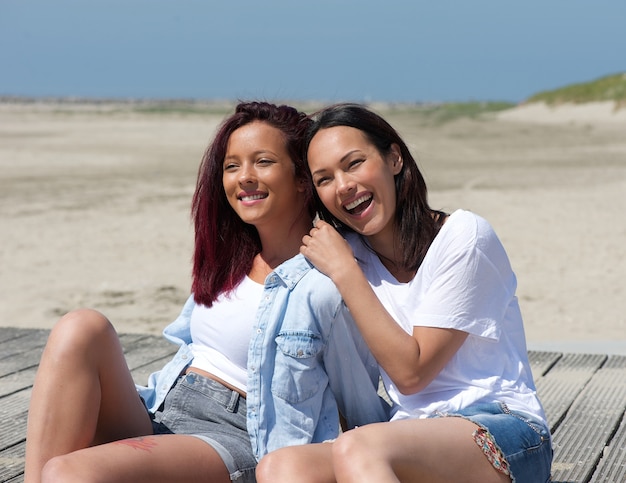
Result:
[225,246]
[416,223]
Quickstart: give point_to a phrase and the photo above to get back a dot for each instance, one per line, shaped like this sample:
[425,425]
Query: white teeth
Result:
[252,197]
[357,202]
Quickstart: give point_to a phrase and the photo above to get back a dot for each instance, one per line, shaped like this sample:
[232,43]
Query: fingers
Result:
[307,238]
[319,223]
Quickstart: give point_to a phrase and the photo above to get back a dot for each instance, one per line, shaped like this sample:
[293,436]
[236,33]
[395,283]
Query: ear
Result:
[395,158]
[302,184]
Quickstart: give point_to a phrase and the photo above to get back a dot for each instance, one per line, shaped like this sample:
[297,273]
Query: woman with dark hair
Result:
[433,295]
[268,356]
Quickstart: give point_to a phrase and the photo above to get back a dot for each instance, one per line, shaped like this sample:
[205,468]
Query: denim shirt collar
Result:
[291,271]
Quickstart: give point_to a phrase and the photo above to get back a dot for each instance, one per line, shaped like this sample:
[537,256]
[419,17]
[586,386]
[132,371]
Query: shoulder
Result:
[464,221]
[302,278]
[311,296]
[359,246]
[320,286]
[468,228]
[467,233]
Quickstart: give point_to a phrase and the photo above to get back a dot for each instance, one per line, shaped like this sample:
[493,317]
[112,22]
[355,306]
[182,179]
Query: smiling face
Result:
[259,176]
[354,180]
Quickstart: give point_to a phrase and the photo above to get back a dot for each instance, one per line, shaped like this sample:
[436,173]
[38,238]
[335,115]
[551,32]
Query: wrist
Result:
[348,274]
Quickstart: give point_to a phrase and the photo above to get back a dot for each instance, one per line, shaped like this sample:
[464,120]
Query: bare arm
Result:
[411,360]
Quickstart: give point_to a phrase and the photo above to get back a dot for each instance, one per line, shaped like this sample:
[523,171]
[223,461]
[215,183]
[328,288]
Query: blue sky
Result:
[358,50]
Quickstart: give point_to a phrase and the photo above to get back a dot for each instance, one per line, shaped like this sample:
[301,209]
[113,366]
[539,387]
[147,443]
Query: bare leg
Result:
[429,450]
[163,458]
[311,463]
[83,392]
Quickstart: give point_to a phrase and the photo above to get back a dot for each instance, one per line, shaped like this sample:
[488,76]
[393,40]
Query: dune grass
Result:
[441,113]
[608,88]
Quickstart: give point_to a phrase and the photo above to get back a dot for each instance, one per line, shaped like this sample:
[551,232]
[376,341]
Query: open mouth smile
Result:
[359,205]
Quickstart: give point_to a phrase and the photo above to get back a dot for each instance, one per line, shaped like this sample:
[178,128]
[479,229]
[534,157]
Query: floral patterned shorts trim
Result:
[516,444]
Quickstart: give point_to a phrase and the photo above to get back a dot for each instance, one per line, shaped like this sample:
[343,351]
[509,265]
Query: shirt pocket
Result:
[298,372]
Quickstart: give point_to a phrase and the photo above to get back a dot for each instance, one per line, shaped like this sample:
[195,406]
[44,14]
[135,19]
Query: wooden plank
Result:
[20,350]
[559,387]
[590,424]
[141,374]
[12,463]
[18,336]
[128,341]
[17,381]
[13,414]
[542,362]
[612,466]
[10,333]
[23,351]
[148,349]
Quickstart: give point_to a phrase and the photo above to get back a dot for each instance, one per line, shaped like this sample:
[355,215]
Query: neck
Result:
[387,249]
[278,245]
[385,244]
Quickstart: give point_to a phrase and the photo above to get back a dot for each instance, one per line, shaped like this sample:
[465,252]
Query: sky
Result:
[322,50]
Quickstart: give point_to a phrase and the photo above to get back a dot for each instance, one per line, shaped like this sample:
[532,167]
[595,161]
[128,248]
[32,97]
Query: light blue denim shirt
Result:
[306,362]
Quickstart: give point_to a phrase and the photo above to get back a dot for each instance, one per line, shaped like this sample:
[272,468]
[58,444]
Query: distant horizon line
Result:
[224,101]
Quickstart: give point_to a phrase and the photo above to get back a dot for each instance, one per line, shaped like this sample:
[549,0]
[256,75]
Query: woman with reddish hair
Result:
[268,356]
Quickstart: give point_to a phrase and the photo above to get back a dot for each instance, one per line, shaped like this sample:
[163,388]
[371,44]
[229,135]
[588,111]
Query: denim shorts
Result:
[200,407]
[524,441]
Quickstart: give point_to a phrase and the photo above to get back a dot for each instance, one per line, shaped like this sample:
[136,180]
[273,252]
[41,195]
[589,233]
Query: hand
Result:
[327,250]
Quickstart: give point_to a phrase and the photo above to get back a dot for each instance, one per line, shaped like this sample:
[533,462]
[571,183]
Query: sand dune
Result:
[591,113]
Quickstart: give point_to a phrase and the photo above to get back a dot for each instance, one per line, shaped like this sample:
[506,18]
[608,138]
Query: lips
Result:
[358,205]
[252,197]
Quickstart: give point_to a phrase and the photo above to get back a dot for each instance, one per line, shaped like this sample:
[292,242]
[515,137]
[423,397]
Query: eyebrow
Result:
[260,152]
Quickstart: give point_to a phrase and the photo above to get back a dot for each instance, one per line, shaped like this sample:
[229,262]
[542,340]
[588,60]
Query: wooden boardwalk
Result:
[584,396]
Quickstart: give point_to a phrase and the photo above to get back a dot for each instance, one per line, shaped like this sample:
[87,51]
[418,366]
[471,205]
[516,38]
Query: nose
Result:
[246,174]
[344,183]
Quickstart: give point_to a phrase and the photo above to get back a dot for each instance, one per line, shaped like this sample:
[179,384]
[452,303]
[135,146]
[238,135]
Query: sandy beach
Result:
[95,197]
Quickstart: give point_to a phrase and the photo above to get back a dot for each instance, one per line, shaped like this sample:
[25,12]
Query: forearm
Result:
[397,351]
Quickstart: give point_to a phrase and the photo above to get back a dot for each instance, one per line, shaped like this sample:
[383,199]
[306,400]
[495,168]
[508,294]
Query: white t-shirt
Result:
[466,283]
[221,333]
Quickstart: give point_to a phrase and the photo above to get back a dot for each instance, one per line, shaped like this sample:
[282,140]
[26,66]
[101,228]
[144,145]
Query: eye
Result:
[230,166]
[355,162]
[265,161]
[322,180]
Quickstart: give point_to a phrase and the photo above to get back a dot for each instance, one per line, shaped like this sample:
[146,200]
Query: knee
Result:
[280,465]
[349,452]
[80,328]
[62,468]
[345,446]
[272,468]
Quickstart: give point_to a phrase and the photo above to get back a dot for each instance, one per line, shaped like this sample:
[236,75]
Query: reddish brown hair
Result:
[224,245]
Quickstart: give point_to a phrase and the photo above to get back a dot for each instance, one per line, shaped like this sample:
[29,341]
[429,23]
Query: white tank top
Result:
[220,334]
